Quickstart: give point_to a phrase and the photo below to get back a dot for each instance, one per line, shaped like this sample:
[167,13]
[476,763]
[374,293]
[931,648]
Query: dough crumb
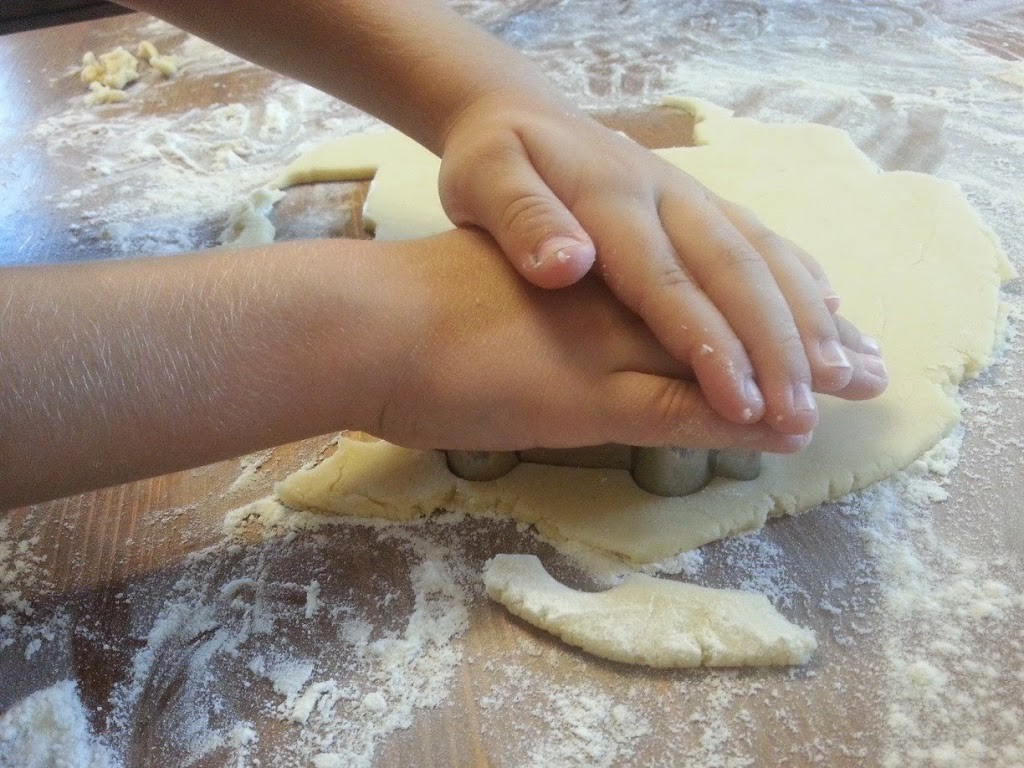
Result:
[165,65]
[102,94]
[249,224]
[114,69]
[109,73]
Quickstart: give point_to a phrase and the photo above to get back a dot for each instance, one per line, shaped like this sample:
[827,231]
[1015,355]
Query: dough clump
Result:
[649,621]
[114,69]
[165,65]
[108,74]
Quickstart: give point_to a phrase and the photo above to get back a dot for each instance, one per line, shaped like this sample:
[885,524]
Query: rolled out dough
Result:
[913,263]
[655,622]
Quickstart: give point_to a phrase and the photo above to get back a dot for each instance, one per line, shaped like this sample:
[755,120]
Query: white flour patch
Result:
[239,642]
[50,729]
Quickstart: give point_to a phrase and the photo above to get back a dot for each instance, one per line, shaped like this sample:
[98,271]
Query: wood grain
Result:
[113,556]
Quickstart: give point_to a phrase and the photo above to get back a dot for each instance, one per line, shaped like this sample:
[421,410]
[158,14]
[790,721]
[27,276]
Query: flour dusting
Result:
[300,639]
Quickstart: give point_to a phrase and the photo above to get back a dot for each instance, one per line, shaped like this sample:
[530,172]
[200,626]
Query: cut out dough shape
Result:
[655,622]
[915,267]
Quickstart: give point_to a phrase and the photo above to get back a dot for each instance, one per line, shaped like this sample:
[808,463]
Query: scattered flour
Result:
[250,467]
[50,729]
[273,647]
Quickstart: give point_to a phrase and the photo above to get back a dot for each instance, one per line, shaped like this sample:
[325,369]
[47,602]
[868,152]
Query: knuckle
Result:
[490,147]
[611,171]
[736,257]
[673,404]
[649,414]
[529,212]
[740,215]
[669,277]
[672,276]
[767,241]
[817,317]
[791,346]
[810,263]
[454,188]
[466,171]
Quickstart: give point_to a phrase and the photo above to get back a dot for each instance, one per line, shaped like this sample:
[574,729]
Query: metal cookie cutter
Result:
[661,471]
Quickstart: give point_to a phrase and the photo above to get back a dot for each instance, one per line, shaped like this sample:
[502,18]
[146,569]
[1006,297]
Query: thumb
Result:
[504,195]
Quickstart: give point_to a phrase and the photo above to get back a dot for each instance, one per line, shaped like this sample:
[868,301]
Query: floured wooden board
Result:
[143,594]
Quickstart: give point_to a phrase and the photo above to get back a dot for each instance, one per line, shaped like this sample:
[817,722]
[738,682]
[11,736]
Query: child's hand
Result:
[748,311]
[489,362]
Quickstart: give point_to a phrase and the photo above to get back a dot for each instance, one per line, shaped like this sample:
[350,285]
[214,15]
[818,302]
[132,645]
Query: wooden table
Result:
[99,569]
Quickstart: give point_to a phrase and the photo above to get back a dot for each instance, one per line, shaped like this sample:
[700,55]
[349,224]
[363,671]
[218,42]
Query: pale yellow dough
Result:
[165,65]
[109,73]
[654,622]
[114,69]
[914,265]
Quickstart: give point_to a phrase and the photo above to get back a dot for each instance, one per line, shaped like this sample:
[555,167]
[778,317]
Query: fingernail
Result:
[794,443]
[876,366]
[802,441]
[832,301]
[832,354]
[560,250]
[870,345]
[803,398]
[752,394]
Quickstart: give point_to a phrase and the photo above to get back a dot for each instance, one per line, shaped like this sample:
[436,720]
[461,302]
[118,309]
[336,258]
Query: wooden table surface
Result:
[103,566]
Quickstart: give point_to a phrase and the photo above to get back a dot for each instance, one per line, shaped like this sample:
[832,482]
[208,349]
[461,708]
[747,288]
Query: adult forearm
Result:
[118,370]
[413,63]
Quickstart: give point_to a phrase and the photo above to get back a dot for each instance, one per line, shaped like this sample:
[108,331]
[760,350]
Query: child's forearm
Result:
[118,370]
[114,371]
[414,63]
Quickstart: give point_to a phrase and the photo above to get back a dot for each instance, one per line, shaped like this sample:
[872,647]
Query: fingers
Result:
[648,410]
[507,197]
[844,362]
[640,266]
[748,313]
[741,285]
[828,293]
[855,340]
[803,286]
[870,376]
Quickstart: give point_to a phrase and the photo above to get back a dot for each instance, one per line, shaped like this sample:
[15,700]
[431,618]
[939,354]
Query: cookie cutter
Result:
[663,471]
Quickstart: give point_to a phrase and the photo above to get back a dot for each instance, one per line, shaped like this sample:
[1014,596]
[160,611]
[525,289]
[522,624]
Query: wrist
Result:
[508,105]
[355,319]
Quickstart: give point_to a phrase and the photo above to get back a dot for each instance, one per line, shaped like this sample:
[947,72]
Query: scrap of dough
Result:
[410,175]
[916,269]
[655,622]
[101,94]
[249,224]
[114,69]
[165,65]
